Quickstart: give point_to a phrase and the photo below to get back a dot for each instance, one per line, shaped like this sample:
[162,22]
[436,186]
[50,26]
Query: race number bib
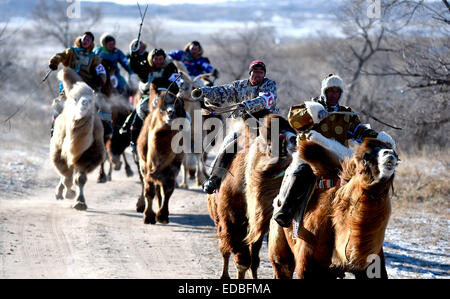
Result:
[268,97]
[100,69]
[175,77]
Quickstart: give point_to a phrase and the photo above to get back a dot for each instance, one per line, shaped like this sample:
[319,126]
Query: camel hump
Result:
[69,78]
[324,162]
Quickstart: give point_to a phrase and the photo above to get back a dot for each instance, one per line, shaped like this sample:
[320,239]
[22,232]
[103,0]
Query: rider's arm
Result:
[221,94]
[99,68]
[266,98]
[123,60]
[358,130]
[176,55]
[63,57]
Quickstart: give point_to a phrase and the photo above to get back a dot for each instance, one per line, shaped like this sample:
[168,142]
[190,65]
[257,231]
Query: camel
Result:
[193,162]
[77,146]
[118,106]
[230,206]
[117,143]
[343,227]
[158,163]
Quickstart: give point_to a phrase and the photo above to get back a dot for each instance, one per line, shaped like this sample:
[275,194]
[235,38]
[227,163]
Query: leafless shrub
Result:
[52,20]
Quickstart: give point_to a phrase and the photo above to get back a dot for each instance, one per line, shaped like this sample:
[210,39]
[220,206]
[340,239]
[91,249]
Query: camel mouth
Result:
[391,163]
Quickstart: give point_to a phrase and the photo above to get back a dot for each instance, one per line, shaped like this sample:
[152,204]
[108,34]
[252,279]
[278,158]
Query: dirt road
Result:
[44,238]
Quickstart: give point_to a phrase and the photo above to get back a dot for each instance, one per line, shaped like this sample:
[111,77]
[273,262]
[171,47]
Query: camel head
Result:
[80,97]
[376,159]
[170,106]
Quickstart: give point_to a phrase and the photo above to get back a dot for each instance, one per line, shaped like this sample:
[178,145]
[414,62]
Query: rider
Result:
[257,95]
[81,58]
[192,58]
[162,73]
[108,51]
[299,180]
[138,59]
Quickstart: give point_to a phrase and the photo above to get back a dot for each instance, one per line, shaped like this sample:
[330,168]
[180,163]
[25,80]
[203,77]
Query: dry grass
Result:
[423,182]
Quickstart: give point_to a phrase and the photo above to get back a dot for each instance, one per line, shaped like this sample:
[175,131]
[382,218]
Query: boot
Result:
[294,193]
[219,168]
[127,123]
[135,130]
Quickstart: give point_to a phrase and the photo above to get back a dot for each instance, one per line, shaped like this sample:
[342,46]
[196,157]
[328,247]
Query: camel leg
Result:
[101,174]
[109,175]
[165,192]
[149,193]
[68,192]
[254,253]
[140,205]
[60,189]
[128,170]
[381,270]
[280,253]
[200,175]
[226,262]
[242,262]
[184,171]
[80,181]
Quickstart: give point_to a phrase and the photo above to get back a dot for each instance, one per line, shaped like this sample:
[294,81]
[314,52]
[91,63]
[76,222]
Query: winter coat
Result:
[138,63]
[114,57]
[260,98]
[160,77]
[83,61]
[341,126]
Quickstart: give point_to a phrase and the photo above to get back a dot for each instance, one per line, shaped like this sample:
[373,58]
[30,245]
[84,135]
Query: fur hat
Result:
[133,45]
[156,52]
[332,81]
[256,63]
[90,34]
[78,44]
[196,43]
[106,38]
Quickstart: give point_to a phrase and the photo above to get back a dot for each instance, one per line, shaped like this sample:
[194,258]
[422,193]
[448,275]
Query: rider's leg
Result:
[138,121]
[221,163]
[296,189]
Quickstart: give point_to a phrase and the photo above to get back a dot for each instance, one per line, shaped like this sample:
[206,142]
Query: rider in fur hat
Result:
[162,73]
[108,51]
[193,59]
[257,95]
[325,116]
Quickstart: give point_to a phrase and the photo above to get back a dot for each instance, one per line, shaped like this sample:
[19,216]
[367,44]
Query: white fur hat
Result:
[332,81]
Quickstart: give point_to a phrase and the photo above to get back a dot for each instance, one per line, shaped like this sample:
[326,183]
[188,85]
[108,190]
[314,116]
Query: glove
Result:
[135,46]
[197,94]
[52,66]
[215,73]
[322,114]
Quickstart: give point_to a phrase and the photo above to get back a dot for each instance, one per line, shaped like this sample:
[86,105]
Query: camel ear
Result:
[69,78]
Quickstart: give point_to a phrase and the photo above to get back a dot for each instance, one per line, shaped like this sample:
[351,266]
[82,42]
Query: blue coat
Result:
[114,57]
[196,66]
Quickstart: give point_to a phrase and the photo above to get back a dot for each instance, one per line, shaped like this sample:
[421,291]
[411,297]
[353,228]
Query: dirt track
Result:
[45,238]
[41,237]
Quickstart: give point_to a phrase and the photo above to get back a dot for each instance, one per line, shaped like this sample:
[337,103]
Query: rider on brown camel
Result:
[163,74]
[299,180]
[256,95]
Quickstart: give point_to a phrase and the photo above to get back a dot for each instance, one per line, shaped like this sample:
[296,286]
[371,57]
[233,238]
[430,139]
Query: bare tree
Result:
[53,21]
[7,53]
[237,48]
[153,31]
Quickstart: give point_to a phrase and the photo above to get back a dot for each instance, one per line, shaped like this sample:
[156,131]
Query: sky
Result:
[161,2]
